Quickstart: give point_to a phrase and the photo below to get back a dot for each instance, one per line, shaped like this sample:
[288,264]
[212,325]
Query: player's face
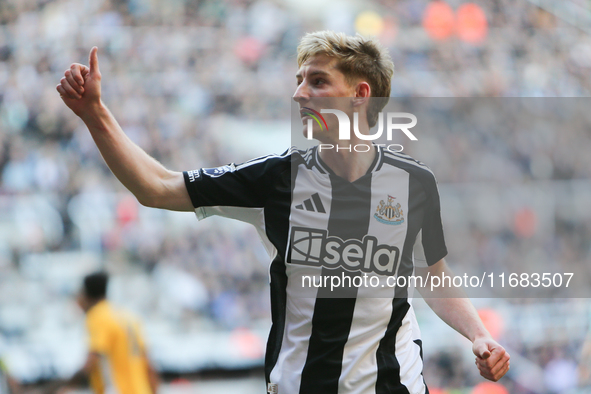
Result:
[321,85]
[82,301]
[319,77]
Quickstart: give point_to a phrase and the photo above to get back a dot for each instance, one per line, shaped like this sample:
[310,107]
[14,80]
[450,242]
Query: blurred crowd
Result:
[175,70]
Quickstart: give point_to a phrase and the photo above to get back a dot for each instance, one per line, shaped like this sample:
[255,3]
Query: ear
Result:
[362,93]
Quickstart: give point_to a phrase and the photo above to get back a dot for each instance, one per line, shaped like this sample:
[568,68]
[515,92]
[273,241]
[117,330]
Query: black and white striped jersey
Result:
[315,224]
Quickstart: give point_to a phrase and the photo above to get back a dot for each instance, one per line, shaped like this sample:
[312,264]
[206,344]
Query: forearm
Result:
[452,304]
[151,183]
[140,173]
[453,307]
[460,314]
[154,380]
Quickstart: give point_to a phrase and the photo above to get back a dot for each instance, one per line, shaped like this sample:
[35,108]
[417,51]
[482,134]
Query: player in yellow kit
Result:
[117,361]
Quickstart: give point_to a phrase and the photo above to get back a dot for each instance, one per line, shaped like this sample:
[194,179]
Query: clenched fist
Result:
[491,358]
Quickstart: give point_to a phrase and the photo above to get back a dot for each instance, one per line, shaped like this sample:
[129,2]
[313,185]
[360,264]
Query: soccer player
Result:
[117,355]
[355,344]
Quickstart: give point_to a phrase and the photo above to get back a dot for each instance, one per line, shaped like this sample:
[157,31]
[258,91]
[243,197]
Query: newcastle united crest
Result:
[389,213]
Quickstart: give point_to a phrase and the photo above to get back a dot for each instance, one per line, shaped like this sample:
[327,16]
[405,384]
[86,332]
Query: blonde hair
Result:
[358,58]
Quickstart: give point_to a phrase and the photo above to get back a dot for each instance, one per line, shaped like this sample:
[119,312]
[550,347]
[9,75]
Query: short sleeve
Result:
[246,185]
[430,238]
[98,336]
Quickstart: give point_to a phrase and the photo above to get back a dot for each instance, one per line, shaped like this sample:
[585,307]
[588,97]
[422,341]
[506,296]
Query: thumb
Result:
[481,350]
[93,61]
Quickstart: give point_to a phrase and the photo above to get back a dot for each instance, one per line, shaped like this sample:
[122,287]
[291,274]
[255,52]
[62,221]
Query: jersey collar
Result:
[325,169]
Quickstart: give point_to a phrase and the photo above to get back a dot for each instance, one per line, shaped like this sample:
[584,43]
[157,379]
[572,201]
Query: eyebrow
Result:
[314,73]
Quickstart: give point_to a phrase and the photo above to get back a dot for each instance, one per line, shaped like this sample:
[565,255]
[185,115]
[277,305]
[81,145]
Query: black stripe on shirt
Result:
[332,319]
[388,379]
[277,211]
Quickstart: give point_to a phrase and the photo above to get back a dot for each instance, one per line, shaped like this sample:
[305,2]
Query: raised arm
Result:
[457,311]
[151,183]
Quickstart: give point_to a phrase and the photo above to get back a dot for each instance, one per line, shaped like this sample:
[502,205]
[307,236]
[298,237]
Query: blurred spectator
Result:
[560,374]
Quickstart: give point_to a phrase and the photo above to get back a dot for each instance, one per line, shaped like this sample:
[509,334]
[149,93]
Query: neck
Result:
[348,165]
[92,303]
[345,161]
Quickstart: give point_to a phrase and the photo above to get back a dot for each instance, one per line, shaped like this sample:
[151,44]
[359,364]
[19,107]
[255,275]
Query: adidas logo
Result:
[312,204]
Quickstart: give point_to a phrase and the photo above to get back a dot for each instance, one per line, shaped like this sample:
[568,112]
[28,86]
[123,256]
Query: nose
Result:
[301,95]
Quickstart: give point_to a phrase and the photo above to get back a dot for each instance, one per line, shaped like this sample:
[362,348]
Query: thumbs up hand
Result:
[80,88]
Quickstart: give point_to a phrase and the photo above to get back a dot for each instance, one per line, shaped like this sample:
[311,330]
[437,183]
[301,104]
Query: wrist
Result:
[480,334]
[93,112]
